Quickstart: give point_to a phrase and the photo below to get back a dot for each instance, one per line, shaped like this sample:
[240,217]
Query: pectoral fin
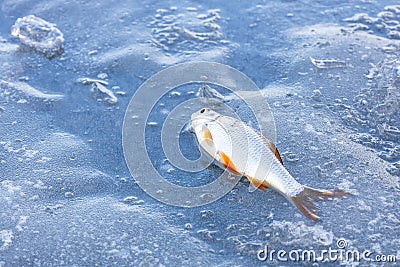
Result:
[227,163]
[207,135]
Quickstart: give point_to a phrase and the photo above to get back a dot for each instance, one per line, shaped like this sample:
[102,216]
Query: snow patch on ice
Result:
[6,237]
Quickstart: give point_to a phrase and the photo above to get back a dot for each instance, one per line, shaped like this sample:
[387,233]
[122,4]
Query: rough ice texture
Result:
[21,90]
[62,166]
[37,34]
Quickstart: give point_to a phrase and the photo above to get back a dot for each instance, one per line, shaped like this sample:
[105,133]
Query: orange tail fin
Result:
[304,200]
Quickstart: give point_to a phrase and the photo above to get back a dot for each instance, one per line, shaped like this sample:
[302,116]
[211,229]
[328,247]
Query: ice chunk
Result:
[316,96]
[327,63]
[111,98]
[86,80]
[99,88]
[362,17]
[208,92]
[39,35]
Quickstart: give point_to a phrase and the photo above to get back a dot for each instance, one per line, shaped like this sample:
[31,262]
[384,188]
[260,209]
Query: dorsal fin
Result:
[273,148]
[276,152]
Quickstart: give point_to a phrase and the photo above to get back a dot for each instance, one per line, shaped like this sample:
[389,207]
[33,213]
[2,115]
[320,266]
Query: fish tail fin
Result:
[304,201]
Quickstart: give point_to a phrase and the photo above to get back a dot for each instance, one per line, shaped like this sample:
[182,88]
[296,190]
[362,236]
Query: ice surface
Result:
[175,31]
[66,195]
[23,90]
[386,22]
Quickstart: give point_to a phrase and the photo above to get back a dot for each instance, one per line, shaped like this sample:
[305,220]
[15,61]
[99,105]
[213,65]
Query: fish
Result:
[241,150]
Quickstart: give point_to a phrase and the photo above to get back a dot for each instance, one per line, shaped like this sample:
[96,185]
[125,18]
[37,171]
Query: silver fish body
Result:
[241,150]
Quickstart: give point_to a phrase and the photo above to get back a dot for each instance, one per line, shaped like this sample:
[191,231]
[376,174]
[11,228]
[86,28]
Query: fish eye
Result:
[203,110]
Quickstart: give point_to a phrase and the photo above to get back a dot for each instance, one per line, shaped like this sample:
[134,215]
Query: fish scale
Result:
[241,150]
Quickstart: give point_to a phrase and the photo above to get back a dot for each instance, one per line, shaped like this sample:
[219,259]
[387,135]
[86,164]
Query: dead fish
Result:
[241,150]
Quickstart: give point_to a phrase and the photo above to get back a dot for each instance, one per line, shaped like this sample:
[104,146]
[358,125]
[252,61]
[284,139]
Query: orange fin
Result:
[273,149]
[257,183]
[304,200]
[207,135]
[228,164]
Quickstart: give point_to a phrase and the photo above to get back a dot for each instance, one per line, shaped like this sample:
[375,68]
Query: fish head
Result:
[200,122]
[202,117]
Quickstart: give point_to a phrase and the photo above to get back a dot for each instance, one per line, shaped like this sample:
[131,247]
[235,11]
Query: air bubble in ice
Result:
[133,200]
[291,157]
[394,169]
[92,52]
[39,35]
[316,96]
[130,199]
[175,94]
[207,234]
[69,194]
[102,75]
[207,197]
[149,261]
[206,213]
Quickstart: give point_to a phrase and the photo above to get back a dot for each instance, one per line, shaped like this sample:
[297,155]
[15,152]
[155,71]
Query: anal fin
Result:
[257,184]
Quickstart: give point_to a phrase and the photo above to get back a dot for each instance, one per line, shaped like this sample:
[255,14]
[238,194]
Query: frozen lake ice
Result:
[330,72]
